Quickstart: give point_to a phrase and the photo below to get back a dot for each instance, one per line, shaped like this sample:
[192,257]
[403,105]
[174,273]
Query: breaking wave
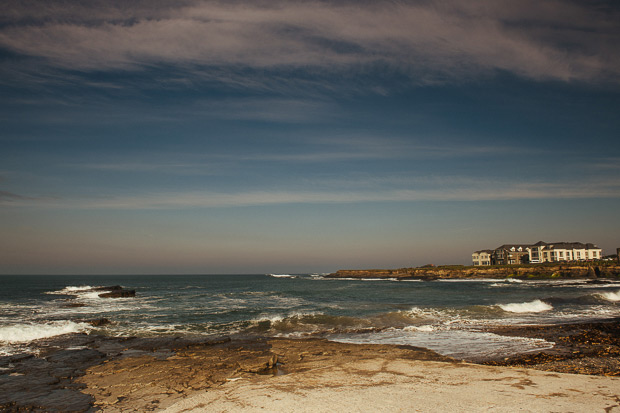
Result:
[282,275]
[611,296]
[24,333]
[424,328]
[72,290]
[536,306]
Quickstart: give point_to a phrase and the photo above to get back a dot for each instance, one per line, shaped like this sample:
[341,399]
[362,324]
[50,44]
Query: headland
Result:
[590,270]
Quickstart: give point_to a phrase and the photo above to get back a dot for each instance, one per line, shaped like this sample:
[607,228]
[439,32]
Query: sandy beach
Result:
[383,384]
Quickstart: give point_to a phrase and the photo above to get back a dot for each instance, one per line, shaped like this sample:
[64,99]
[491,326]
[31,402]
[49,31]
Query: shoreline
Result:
[79,372]
[592,271]
[591,348]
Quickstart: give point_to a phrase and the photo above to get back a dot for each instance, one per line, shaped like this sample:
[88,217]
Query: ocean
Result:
[451,317]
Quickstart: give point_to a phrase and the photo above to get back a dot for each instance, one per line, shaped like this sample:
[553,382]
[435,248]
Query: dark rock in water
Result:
[74,305]
[118,294]
[98,322]
[110,288]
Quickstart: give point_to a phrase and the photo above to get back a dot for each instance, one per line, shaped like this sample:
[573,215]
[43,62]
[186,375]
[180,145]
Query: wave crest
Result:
[611,296]
[24,333]
[536,306]
[72,290]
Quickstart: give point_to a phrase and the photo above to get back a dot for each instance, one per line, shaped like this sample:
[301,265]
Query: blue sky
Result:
[298,136]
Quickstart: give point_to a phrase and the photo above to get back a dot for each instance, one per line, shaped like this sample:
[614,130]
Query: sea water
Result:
[451,317]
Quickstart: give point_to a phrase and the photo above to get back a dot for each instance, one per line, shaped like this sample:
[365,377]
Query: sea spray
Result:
[24,333]
[536,306]
[611,296]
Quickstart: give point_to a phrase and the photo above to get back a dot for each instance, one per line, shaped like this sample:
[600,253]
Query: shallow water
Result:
[446,316]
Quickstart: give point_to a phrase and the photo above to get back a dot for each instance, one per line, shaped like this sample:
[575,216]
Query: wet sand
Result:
[182,374]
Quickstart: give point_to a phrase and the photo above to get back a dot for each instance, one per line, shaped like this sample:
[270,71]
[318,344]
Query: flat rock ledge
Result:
[109,374]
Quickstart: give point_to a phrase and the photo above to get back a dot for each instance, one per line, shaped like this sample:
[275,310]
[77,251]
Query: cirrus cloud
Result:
[444,189]
[426,41]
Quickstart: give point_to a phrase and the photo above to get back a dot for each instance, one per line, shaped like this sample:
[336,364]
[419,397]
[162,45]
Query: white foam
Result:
[611,296]
[426,328]
[460,344]
[272,319]
[471,280]
[296,315]
[535,306]
[92,294]
[282,275]
[72,290]
[24,333]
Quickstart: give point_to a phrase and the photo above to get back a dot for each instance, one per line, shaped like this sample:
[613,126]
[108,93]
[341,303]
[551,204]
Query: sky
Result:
[223,137]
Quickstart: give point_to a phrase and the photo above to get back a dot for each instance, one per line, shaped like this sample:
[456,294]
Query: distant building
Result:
[564,251]
[482,257]
[537,253]
[511,254]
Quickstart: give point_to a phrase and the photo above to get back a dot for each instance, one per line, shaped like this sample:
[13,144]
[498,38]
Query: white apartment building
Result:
[564,251]
[537,253]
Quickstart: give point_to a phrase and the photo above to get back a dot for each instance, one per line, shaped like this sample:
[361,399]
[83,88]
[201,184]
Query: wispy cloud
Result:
[606,163]
[8,197]
[309,150]
[427,41]
[441,190]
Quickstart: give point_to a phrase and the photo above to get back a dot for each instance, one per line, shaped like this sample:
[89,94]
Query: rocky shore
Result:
[580,348]
[532,271]
[83,373]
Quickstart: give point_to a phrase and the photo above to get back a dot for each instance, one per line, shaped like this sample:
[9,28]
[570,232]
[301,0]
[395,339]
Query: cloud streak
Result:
[426,41]
[10,197]
[443,190]
[320,151]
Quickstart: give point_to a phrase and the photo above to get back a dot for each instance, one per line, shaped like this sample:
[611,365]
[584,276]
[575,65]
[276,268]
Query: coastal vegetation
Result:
[593,270]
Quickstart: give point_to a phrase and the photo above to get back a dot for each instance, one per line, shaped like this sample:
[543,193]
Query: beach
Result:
[178,374]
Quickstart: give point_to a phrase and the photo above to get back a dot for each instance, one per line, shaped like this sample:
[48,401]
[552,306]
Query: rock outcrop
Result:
[569,270]
[119,294]
[115,291]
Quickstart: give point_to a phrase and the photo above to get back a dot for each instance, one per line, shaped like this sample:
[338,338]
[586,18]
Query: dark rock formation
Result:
[110,288]
[580,348]
[37,384]
[119,294]
[73,305]
[98,322]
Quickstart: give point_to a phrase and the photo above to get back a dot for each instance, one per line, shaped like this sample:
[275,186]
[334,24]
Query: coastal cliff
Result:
[568,270]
